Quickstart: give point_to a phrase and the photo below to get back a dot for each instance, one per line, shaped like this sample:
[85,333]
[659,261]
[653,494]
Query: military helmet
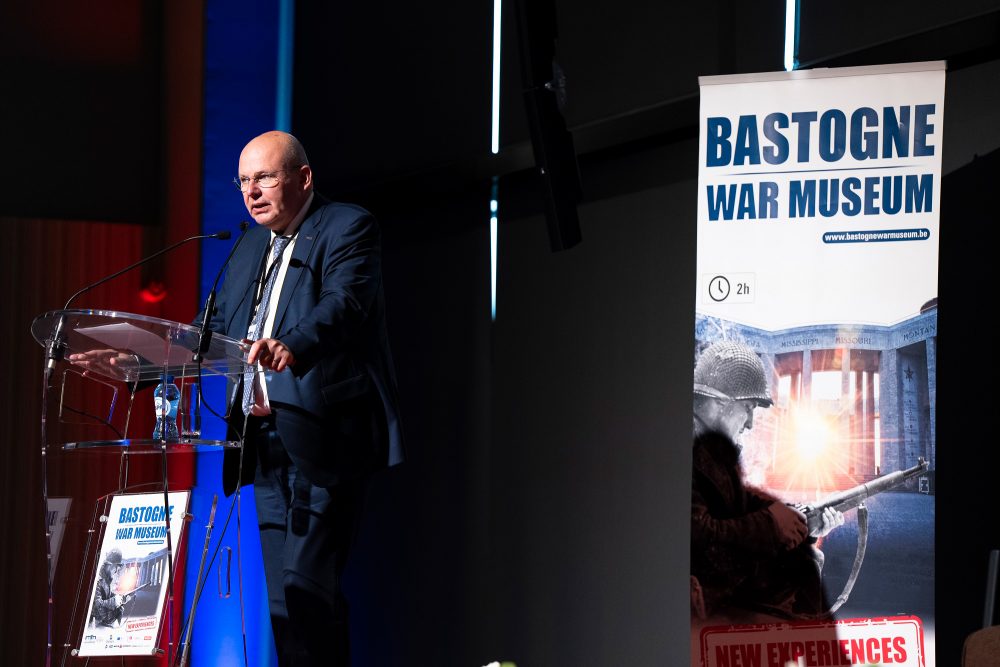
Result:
[731,371]
[114,557]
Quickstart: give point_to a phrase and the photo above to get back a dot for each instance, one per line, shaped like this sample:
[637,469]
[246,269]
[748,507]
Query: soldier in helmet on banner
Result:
[752,556]
[109,606]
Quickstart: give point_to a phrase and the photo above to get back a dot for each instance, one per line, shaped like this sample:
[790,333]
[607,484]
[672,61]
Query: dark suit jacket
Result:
[331,315]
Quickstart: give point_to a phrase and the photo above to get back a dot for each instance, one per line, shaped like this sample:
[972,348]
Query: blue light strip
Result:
[494,205]
[238,36]
[495,148]
[495,116]
[791,34]
[286,57]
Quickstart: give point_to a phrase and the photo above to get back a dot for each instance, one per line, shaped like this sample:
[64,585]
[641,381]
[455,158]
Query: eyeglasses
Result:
[266,180]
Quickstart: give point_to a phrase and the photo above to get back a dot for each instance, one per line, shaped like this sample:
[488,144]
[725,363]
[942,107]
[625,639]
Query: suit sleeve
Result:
[350,275]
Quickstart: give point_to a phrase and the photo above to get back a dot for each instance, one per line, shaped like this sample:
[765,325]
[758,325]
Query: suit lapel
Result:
[297,263]
[250,272]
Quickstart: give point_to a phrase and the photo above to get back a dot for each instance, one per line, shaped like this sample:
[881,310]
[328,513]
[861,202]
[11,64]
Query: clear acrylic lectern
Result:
[117,495]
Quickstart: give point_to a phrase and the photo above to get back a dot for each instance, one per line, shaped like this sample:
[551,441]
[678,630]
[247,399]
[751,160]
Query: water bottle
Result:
[165,400]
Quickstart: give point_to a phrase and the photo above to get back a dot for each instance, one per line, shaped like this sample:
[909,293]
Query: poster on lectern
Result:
[130,585]
[815,365]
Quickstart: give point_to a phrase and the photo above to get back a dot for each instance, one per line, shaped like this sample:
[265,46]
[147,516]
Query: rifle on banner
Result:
[855,498]
[843,501]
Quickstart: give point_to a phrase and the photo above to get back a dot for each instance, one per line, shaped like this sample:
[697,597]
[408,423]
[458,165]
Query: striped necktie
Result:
[257,325]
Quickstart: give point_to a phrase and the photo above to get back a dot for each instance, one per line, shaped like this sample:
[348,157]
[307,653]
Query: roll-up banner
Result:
[812,507]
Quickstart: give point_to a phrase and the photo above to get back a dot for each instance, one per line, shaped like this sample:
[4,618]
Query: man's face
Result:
[731,417]
[277,206]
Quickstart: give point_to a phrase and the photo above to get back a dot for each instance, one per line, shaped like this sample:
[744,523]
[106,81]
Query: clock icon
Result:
[718,288]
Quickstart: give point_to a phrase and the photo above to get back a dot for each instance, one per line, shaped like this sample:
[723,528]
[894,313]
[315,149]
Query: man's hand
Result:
[790,523]
[270,353]
[831,519]
[109,363]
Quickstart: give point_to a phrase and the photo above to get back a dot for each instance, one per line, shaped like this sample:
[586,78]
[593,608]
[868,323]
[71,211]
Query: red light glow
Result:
[154,292]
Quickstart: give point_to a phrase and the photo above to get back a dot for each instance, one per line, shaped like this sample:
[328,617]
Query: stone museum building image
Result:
[852,402]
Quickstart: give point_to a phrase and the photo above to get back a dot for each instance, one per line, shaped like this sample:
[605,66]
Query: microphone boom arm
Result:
[205,337]
[218,235]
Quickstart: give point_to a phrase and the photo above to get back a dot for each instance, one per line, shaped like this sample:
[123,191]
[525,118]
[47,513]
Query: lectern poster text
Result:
[131,581]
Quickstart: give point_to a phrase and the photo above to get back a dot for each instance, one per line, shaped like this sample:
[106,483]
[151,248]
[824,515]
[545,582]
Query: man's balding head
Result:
[281,155]
[291,150]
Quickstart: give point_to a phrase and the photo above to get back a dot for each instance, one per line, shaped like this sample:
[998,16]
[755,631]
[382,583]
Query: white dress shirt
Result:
[261,404]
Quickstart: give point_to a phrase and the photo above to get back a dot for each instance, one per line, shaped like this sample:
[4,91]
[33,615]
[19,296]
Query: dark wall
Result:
[83,96]
[828,30]
[417,581]
[591,430]
[387,88]
[966,459]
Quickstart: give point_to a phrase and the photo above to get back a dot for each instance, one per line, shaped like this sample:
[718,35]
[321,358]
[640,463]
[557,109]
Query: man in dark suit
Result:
[304,289]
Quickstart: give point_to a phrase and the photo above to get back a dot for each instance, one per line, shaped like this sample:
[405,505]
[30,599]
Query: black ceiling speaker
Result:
[544,97]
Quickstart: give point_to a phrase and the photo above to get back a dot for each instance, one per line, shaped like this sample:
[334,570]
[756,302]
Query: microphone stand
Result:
[55,350]
[205,337]
[199,585]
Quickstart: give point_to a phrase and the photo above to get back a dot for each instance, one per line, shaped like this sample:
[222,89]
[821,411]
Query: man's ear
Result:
[307,177]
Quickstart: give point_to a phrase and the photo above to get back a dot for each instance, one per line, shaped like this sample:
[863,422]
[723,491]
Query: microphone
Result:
[55,349]
[205,337]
